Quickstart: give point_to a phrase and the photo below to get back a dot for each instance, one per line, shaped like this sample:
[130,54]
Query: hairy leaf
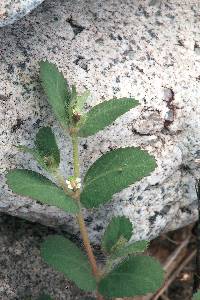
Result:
[46,152]
[34,152]
[135,276]
[65,257]
[113,172]
[56,89]
[119,227]
[196,296]
[129,249]
[34,185]
[105,114]
[47,147]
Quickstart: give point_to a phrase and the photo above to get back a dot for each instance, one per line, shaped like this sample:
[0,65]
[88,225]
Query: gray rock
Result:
[23,274]
[91,43]
[12,10]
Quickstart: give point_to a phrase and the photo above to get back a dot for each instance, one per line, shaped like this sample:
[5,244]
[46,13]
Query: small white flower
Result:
[78,183]
[74,184]
[69,185]
[78,180]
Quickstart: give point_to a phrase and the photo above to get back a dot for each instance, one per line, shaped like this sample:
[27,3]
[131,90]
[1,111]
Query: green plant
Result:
[125,273]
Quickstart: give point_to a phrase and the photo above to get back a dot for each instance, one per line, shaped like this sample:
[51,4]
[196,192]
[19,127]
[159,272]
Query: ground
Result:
[23,275]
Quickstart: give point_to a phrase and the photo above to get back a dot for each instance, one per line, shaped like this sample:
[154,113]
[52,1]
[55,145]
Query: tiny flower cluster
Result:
[74,184]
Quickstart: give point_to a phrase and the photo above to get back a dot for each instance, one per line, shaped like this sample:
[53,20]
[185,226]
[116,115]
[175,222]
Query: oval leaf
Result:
[47,147]
[135,276]
[113,172]
[118,228]
[105,114]
[34,185]
[130,249]
[56,89]
[34,153]
[65,257]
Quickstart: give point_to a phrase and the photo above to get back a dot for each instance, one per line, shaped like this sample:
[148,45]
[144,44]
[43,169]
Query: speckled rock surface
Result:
[146,49]
[23,275]
[12,10]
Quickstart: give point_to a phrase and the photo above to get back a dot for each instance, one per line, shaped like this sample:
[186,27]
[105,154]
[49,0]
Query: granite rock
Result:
[23,274]
[12,10]
[144,49]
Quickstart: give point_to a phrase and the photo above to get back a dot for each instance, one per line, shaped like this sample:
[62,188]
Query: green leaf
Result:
[75,108]
[81,100]
[129,249]
[65,257]
[119,227]
[34,185]
[56,89]
[46,152]
[135,276]
[113,172]
[105,114]
[196,296]
[47,147]
[44,297]
[34,153]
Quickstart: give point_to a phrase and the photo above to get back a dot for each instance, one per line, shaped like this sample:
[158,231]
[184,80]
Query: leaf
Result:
[75,108]
[118,227]
[47,147]
[44,297]
[130,249]
[113,172]
[65,257]
[34,185]
[105,114]
[46,152]
[56,89]
[196,296]
[34,153]
[138,275]
[81,99]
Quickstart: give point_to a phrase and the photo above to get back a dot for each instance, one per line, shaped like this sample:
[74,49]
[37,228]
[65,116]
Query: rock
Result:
[12,10]
[30,276]
[114,49]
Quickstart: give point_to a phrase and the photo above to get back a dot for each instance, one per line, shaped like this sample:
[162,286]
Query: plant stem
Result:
[75,155]
[80,219]
[87,245]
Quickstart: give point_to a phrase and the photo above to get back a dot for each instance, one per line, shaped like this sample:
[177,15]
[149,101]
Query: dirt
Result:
[24,276]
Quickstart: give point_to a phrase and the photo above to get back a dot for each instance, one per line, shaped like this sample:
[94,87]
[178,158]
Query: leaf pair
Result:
[67,105]
[34,185]
[115,242]
[108,175]
[133,275]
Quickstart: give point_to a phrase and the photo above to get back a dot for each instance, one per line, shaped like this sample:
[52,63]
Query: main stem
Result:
[80,219]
